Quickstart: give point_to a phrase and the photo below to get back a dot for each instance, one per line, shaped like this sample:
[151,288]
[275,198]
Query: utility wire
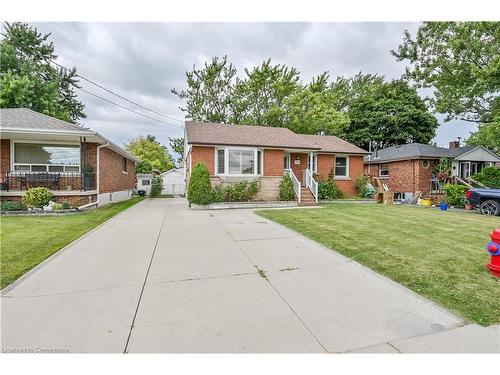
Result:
[118,95]
[128,109]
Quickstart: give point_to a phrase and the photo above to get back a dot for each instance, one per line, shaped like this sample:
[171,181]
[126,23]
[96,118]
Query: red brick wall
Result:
[111,177]
[405,176]
[4,156]
[273,162]
[89,155]
[325,166]
[205,155]
[355,169]
[298,168]
[424,175]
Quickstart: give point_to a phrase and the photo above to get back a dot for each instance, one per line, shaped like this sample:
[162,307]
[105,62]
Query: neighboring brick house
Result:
[242,152]
[409,168]
[78,165]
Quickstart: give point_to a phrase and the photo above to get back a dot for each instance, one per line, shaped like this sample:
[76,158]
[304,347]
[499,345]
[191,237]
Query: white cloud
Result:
[144,61]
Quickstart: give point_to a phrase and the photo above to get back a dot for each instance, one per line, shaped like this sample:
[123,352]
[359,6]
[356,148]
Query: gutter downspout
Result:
[98,169]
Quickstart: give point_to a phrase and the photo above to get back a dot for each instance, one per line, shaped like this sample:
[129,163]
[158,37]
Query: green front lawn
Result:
[28,240]
[440,255]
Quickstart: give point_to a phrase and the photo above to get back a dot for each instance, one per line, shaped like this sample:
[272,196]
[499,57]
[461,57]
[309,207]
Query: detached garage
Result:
[173,182]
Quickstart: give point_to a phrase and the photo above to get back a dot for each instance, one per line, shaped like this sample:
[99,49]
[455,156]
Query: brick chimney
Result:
[454,144]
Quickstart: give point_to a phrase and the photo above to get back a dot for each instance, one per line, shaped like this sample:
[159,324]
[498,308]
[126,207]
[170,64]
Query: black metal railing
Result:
[50,180]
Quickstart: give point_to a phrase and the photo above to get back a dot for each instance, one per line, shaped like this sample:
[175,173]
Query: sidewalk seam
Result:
[145,280]
[270,284]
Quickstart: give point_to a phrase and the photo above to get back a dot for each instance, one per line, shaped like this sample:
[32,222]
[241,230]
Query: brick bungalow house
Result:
[241,152]
[408,168]
[78,165]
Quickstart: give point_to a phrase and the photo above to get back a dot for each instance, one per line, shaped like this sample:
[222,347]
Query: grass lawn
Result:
[440,255]
[28,240]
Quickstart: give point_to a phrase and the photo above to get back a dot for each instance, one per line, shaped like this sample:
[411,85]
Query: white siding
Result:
[478,154]
[173,182]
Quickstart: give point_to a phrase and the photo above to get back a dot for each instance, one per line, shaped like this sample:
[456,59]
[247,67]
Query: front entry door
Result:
[464,169]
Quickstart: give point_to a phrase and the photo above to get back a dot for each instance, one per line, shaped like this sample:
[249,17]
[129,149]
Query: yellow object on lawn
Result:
[427,202]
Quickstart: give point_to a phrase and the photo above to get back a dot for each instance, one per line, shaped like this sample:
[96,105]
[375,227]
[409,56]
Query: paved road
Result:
[162,278]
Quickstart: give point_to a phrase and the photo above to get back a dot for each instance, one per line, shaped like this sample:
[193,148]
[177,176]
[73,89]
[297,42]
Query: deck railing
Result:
[50,180]
[312,184]
[296,183]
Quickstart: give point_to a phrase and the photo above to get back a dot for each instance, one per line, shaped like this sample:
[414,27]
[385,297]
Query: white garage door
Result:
[173,184]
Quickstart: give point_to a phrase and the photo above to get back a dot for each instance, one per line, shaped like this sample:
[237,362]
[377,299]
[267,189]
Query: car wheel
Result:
[490,207]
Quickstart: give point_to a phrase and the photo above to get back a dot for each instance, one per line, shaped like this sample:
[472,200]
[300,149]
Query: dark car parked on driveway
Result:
[487,200]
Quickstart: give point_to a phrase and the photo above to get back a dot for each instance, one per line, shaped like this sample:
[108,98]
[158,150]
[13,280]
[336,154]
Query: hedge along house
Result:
[409,168]
[235,153]
[78,165]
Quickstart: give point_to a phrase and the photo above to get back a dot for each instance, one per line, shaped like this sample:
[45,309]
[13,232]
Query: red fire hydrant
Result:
[493,248]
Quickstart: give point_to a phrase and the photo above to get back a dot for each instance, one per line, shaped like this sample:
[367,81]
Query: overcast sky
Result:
[144,61]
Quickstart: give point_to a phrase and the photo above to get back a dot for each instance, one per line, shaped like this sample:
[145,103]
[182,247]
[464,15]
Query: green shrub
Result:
[287,193]
[489,176]
[455,194]
[11,206]
[156,186]
[57,206]
[37,197]
[361,185]
[328,190]
[200,189]
[66,206]
[239,192]
[218,193]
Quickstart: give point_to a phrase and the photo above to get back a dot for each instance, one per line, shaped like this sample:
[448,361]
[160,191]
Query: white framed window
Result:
[45,157]
[341,166]
[238,161]
[146,182]
[383,170]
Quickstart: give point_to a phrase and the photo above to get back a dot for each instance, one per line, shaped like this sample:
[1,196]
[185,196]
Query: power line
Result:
[118,95]
[128,109]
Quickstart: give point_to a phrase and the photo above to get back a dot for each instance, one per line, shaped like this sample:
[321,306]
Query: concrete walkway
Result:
[162,278]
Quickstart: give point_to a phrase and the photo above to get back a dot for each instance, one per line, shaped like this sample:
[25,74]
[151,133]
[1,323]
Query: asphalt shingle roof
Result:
[331,143]
[202,133]
[415,151]
[24,118]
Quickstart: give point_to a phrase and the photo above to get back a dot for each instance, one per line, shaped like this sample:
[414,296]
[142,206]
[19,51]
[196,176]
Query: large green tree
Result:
[152,153]
[29,79]
[390,114]
[461,62]
[210,91]
[361,108]
[263,92]
[177,144]
[488,135]
[349,89]
[314,109]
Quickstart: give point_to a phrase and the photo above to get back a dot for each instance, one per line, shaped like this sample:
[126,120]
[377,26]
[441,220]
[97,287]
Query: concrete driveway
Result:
[162,278]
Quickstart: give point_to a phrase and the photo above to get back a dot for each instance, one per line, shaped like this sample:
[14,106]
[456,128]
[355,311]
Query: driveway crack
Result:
[132,325]
[262,273]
